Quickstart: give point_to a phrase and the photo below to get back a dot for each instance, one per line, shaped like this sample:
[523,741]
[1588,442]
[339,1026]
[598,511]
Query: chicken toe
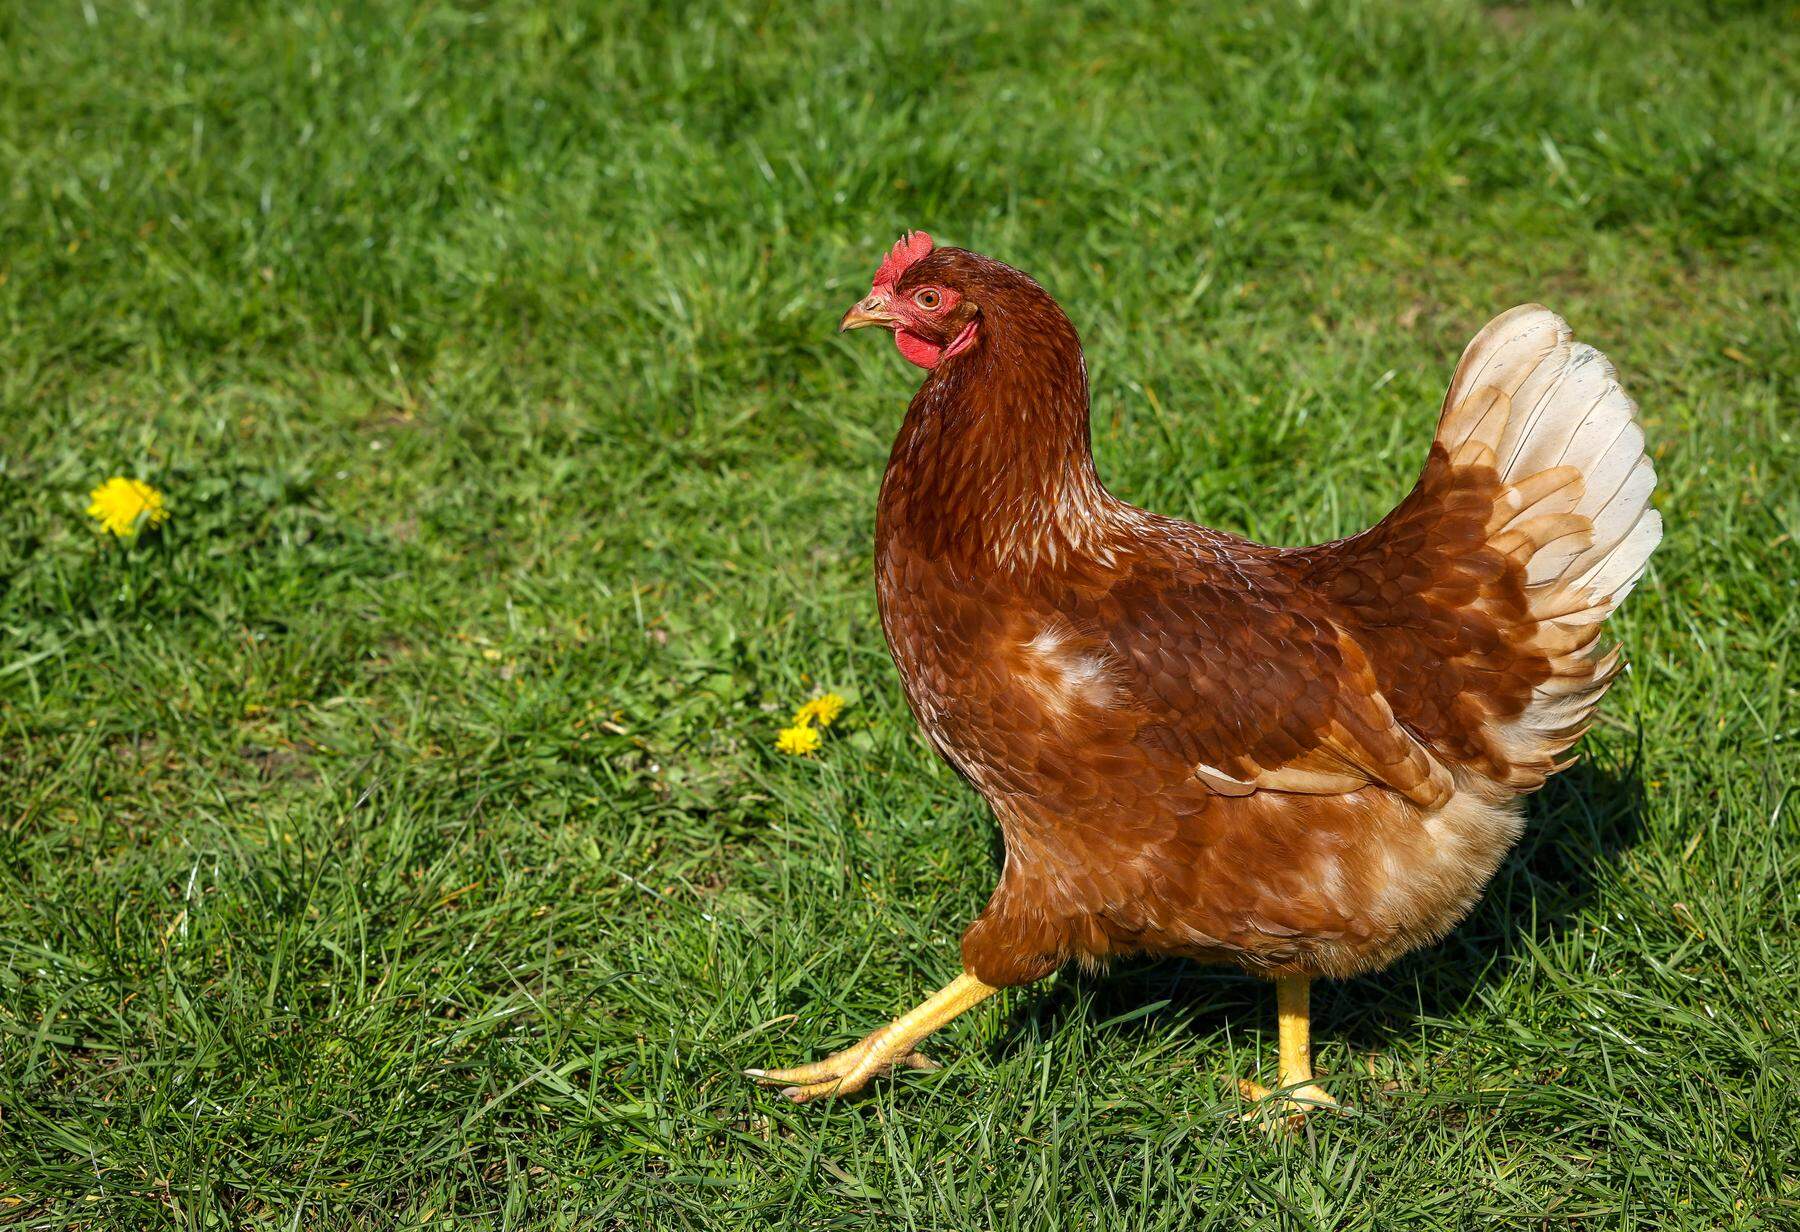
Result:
[838,1065]
[1283,1108]
[894,1046]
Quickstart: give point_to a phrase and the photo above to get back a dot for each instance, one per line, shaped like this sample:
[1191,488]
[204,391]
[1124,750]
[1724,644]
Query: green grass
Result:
[396,840]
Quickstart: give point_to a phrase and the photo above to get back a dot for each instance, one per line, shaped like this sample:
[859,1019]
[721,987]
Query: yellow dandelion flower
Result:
[822,710]
[122,506]
[799,741]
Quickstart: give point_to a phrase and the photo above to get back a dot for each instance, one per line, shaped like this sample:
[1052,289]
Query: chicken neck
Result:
[993,468]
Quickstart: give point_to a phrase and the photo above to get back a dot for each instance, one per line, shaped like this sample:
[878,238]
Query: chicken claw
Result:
[894,1046]
[1289,1108]
[841,1073]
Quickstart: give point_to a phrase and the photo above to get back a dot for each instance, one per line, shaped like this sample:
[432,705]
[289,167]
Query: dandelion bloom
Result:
[798,741]
[823,710]
[120,505]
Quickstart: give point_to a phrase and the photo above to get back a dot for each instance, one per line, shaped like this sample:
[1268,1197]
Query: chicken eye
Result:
[926,299]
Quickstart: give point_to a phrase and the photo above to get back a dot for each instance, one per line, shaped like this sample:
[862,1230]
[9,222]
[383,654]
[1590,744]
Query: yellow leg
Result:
[1298,1092]
[893,1045]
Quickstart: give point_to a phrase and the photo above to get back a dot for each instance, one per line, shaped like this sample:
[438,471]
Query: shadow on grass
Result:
[1578,825]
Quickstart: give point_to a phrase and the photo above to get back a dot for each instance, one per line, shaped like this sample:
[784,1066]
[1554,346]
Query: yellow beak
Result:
[871,311]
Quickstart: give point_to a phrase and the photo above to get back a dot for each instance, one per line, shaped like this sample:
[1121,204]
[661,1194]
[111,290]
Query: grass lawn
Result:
[396,838]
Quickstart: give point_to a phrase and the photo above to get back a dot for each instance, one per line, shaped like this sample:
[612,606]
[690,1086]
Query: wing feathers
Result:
[1462,633]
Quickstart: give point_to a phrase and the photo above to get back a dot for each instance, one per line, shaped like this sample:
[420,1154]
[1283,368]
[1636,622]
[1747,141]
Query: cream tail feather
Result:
[1547,413]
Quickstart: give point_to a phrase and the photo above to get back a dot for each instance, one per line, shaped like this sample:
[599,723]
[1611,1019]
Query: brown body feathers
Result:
[1300,760]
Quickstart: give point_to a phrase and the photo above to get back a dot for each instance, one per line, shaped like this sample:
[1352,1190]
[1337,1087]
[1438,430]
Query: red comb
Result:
[911,247]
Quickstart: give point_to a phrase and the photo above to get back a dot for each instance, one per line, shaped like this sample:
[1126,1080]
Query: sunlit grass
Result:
[398,836]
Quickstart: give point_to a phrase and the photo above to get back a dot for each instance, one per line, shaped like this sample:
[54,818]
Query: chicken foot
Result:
[880,1052]
[1296,1093]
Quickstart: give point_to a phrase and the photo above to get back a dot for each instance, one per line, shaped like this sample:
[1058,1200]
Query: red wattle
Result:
[917,350]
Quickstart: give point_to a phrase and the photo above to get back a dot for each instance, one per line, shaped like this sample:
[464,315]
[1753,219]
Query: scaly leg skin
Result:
[843,1073]
[1298,1093]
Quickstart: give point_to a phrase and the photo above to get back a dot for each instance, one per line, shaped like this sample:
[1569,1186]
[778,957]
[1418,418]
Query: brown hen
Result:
[1305,761]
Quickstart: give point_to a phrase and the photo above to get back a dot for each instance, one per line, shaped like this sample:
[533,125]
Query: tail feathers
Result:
[1547,416]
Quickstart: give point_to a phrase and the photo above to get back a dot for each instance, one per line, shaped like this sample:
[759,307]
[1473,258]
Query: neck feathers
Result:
[993,465]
